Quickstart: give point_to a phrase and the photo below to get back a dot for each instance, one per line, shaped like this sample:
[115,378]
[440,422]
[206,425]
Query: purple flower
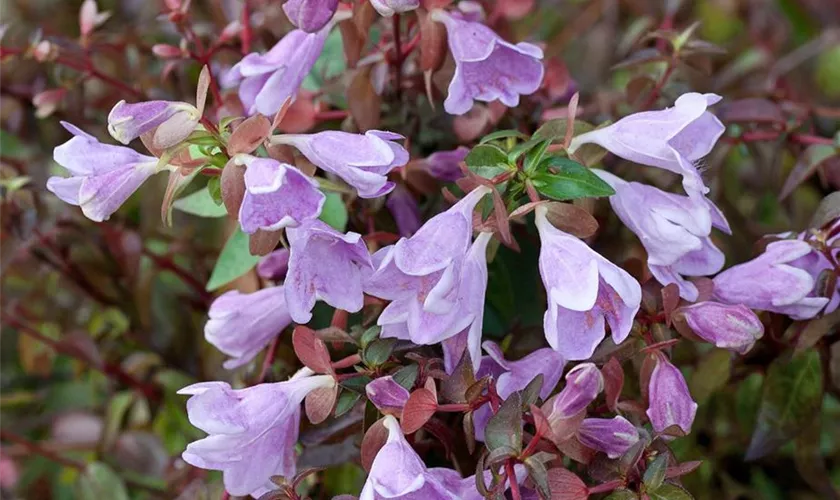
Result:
[583,384]
[362,160]
[404,209]
[310,15]
[242,324]
[435,280]
[512,376]
[277,195]
[387,395]
[487,67]
[816,262]
[388,8]
[252,432]
[172,122]
[584,291]
[102,176]
[770,282]
[266,81]
[274,265]
[669,402]
[327,265]
[733,327]
[445,165]
[673,138]
[674,229]
[613,436]
[398,472]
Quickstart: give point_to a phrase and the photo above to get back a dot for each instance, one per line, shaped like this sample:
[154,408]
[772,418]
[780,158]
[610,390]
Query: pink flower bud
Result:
[728,327]
[90,17]
[583,384]
[670,401]
[166,51]
[45,51]
[47,102]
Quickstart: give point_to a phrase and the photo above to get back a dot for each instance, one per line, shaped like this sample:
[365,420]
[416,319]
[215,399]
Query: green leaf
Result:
[370,335]
[711,374]
[334,212]
[535,156]
[655,472]
[505,427]
[406,376]
[669,492]
[502,134]
[99,481]
[487,160]
[330,63]
[747,401]
[378,351]
[234,261]
[522,148]
[356,384]
[555,129]
[346,401]
[117,408]
[200,203]
[214,187]
[572,180]
[539,474]
[791,398]
[622,494]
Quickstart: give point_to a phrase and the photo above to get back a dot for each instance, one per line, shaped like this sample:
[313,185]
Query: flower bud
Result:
[166,51]
[613,436]
[670,401]
[47,102]
[170,122]
[387,395]
[729,327]
[45,51]
[583,384]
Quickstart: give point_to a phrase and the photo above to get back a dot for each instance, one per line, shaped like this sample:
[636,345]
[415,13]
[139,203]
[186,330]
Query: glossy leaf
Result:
[234,261]
[569,180]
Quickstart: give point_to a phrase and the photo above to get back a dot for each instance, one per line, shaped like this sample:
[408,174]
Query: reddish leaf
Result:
[263,242]
[566,485]
[419,408]
[319,403]
[670,300]
[201,89]
[571,219]
[573,449]
[541,422]
[682,469]
[363,101]
[432,43]
[570,128]
[300,116]
[249,135]
[613,382]
[232,184]
[749,110]
[311,350]
[374,440]
[814,156]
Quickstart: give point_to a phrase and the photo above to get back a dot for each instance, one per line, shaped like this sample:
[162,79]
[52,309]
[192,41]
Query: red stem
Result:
[398,56]
[514,485]
[654,94]
[336,114]
[246,27]
[268,360]
[347,362]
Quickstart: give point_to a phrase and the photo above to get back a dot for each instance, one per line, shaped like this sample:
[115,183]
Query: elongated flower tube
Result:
[674,229]
[327,265]
[770,282]
[487,67]
[674,138]
[172,122]
[251,432]
[242,324]
[404,209]
[613,436]
[103,176]
[444,165]
[362,160]
[310,15]
[265,81]
[277,195]
[583,384]
[733,327]
[585,291]
[669,402]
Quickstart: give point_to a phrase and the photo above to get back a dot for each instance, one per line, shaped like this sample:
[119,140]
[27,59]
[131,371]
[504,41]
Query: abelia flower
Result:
[435,280]
[486,66]
[583,384]
[674,139]
[327,265]
[669,401]
[387,395]
[103,176]
[251,432]
[584,291]
[266,80]
[274,265]
[171,122]
[733,327]
[362,160]
[310,15]
[613,436]
[445,165]
[816,263]
[512,376]
[674,229]
[770,282]
[404,209]
[277,195]
[398,472]
[388,8]
[242,324]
